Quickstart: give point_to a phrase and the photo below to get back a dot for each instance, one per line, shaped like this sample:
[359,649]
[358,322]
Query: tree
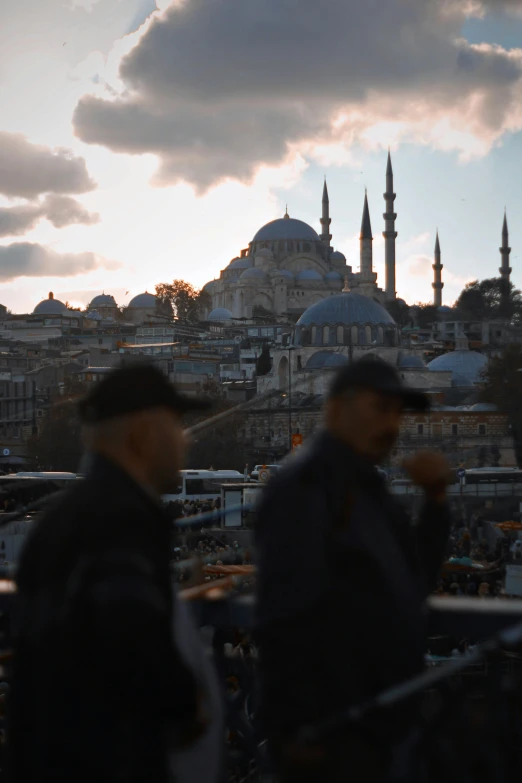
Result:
[426,314]
[399,311]
[503,387]
[489,299]
[187,301]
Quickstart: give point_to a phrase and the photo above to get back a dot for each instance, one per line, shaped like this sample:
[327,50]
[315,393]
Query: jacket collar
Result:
[104,470]
[341,458]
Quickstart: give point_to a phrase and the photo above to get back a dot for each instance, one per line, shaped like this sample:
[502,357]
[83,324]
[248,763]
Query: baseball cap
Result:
[135,388]
[379,376]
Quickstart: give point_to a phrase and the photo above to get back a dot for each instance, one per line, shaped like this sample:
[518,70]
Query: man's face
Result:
[164,448]
[367,420]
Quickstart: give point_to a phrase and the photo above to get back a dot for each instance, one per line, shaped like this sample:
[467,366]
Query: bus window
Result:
[201,487]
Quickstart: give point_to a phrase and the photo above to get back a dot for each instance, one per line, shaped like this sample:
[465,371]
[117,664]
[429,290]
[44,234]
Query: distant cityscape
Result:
[271,330]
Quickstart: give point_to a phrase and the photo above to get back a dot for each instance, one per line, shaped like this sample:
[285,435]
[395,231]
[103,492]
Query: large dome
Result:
[143,300]
[286,228]
[346,309]
[466,366]
[103,300]
[50,306]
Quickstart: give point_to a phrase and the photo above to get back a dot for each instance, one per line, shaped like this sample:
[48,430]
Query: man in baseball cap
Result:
[340,568]
[103,603]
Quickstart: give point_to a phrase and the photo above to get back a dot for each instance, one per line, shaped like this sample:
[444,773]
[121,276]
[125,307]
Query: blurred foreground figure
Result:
[343,576]
[100,690]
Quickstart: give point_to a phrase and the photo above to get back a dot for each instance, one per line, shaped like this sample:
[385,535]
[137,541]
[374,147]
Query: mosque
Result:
[288,267]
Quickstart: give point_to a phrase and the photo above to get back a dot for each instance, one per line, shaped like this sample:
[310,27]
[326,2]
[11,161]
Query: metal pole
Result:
[289,401]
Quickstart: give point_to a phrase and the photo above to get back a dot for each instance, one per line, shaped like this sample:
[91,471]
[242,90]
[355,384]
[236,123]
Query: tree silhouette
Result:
[186,301]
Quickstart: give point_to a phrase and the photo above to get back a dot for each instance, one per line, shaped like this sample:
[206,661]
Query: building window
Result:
[454,429]
[482,429]
[420,429]
[299,363]
[326,335]
[340,335]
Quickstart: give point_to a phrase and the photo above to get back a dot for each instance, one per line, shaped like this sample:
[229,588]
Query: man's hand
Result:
[431,471]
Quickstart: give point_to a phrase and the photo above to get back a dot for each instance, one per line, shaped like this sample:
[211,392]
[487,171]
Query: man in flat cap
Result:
[343,576]
[100,690]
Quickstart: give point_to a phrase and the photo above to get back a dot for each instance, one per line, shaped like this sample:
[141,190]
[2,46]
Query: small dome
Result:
[265,252]
[411,362]
[286,228]
[94,315]
[333,277]
[50,306]
[283,273]
[346,308]
[466,366]
[103,300]
[209,287]
[325,359]
[253,274]
[309,274]
[337,256]
[485,407]
[220,314]
[241,263]
[143,300]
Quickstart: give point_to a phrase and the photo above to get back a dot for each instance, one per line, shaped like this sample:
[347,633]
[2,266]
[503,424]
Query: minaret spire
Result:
[326,220]
[366,226]
[505,252]
[367,277]
[389,233]
[437,284]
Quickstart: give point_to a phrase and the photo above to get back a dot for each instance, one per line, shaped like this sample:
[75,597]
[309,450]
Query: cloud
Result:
[217,88]
[28,170]
[65,211]
[59,210]
[25,259]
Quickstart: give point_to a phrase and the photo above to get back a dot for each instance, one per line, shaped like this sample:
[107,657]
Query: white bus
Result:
[201,484]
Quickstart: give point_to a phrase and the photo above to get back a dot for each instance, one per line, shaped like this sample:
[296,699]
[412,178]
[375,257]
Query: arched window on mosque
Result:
[368,333]
[340,335]
[355,335]
[306,247]
[314,334]
[333,336]
[362,335]
[380,335]
[326,335]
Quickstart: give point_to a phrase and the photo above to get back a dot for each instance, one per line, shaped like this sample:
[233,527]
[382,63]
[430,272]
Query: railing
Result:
[452,703]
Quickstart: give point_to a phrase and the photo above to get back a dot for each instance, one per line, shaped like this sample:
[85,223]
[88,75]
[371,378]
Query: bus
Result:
[493,476]
[201,484]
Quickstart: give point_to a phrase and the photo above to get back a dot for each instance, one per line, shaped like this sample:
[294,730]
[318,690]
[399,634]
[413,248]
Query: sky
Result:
[147,140]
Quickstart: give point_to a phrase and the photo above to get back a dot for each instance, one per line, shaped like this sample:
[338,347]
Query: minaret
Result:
[326,219]
[366,238]
[389,234]
[505,251]
[366,243]
[437,284]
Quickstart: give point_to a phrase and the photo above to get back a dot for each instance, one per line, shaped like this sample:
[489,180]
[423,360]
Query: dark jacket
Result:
[99,690]
[343,576]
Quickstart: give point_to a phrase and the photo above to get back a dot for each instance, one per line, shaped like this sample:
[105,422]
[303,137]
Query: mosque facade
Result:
[288,266]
